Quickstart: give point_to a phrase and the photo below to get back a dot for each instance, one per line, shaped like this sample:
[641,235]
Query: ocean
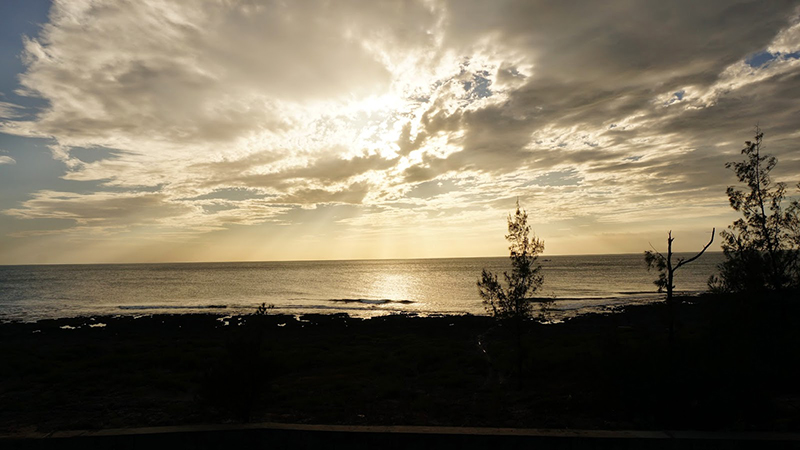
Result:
[361,288]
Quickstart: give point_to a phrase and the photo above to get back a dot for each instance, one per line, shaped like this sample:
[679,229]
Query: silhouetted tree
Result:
[513,303]
[263,309]
[666,276]
[761,249]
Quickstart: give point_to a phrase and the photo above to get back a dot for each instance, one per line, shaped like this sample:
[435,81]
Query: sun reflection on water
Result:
[394,287]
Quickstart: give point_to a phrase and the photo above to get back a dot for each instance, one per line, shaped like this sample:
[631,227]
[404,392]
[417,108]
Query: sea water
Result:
[362,288]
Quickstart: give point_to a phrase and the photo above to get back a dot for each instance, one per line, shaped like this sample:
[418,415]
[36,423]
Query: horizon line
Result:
[315,260]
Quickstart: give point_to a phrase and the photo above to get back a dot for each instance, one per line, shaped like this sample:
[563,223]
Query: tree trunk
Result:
[670,285]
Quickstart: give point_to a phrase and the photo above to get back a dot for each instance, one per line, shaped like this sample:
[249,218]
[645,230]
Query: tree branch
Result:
[656,251]
[682,262]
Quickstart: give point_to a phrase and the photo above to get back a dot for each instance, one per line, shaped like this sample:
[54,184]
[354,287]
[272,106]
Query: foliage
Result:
[656,260]
[762,248]
[264,309]
[513,302]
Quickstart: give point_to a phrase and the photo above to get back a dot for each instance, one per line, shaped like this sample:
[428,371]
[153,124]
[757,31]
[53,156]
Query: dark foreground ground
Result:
[735,366]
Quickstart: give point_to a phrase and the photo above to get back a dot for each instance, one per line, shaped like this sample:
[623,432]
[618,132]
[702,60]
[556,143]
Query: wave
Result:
[370,302]
[572,299]
[139,307]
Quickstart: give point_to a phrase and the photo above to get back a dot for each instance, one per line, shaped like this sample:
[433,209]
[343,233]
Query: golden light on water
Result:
[393,287]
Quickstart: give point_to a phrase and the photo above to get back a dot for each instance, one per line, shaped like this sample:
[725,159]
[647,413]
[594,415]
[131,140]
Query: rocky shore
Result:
[734,366]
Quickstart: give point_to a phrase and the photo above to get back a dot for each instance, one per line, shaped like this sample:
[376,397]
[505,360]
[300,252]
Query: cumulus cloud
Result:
[585,109]
[7,160]
[214,71]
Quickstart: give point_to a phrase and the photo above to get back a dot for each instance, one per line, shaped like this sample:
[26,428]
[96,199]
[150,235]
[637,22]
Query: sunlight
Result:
[395,287]
[376,103]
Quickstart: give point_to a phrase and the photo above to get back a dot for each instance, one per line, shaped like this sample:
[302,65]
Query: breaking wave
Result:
[146,307]
[384,301]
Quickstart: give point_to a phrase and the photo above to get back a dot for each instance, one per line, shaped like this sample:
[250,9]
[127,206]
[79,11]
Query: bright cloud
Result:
[200,116]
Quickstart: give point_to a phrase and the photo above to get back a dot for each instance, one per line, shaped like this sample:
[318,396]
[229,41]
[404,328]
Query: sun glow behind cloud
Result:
[305,130]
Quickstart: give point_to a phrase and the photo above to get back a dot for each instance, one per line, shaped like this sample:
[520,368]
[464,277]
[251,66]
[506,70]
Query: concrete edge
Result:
[431,430]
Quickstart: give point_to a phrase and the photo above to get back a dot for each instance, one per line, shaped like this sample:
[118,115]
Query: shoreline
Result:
[361,288]
[562,307]
[734,368]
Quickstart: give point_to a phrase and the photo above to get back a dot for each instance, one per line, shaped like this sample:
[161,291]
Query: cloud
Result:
[324,170]
[788,40]
[99,209]
[7,160]
[353,193]
[10,111]
[585,109]
[212,71]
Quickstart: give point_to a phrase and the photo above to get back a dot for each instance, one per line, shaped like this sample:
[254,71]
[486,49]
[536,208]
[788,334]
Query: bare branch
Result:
[654,249]
[682,262]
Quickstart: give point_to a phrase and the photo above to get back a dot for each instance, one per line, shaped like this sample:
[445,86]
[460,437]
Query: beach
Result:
[733,366]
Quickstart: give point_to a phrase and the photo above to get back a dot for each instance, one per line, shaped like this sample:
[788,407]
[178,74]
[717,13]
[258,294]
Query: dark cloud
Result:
[594,65]
[101,209]
[325,170]
[558,178]
[353,194]
[228,194]
[334,169]
[432,189]
[621,42]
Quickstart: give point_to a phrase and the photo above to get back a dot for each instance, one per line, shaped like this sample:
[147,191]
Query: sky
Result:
[237,130]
